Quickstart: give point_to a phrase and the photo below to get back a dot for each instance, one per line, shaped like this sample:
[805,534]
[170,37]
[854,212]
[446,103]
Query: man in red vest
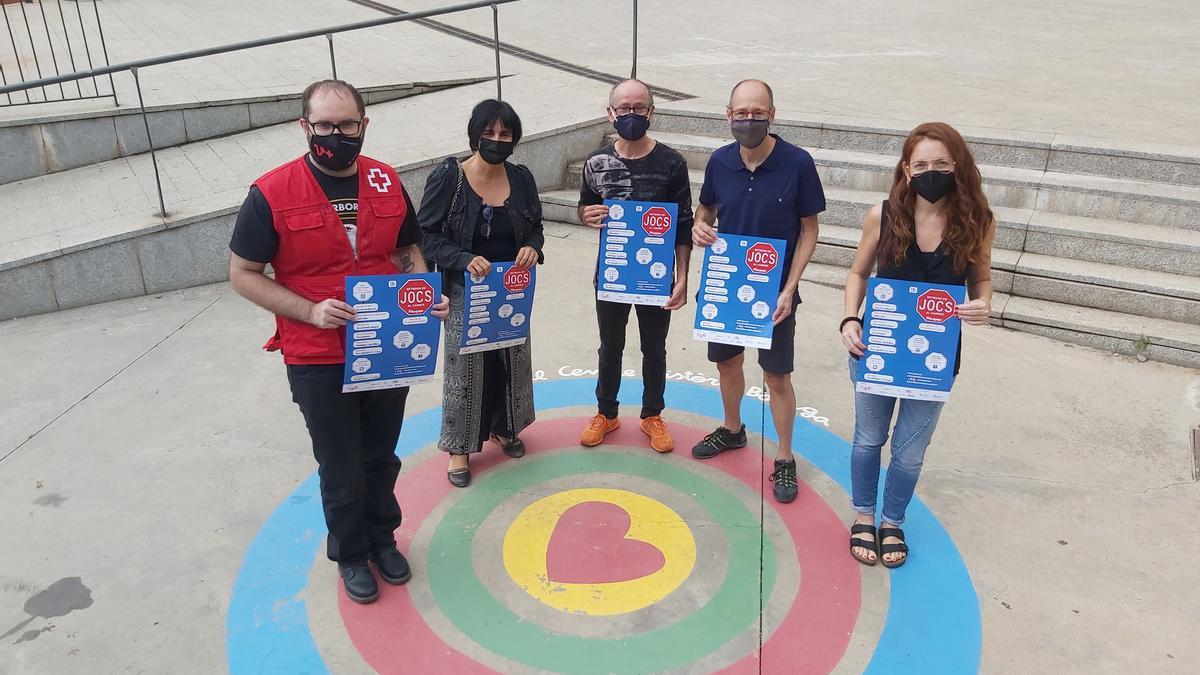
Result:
[317,219]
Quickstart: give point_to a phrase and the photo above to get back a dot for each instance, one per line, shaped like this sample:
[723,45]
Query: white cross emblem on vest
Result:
[379,180]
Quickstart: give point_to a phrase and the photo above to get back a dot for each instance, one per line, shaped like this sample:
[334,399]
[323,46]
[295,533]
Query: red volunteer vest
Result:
[315,256]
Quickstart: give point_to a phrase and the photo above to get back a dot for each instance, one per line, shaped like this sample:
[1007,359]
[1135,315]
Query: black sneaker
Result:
[393,567]
[719,441]
[784,479]
[360,584]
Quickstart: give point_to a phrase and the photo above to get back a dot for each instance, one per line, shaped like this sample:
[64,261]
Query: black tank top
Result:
[934,267]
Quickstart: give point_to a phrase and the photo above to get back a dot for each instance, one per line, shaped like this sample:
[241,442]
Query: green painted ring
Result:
[477,613]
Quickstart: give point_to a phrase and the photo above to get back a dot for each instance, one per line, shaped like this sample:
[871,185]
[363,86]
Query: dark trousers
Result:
[653,323]
[354,441]
[495,418]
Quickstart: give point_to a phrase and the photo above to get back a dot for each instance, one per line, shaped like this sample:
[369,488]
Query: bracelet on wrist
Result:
[847,320]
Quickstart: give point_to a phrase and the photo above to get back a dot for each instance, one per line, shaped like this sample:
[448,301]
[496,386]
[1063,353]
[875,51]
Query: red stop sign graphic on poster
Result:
[935,305]
[516,279]
[415,296]
[762,258]
[656,221]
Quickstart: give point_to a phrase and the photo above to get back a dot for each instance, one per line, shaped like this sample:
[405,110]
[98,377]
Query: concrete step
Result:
[1026,150]
[1147,247]
[1142,202]
[1145,293]
[91,234]
[54,143]
[1155,339]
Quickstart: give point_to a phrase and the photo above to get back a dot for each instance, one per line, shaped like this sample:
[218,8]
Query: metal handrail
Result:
[250,44]
[327,33]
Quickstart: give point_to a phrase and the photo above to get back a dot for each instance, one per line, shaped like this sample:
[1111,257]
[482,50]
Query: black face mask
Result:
[631,126]
[932,185]
[749,133]
[495,152]
[335,151]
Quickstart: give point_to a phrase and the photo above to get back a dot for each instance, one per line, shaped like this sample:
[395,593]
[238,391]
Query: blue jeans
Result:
[914,429]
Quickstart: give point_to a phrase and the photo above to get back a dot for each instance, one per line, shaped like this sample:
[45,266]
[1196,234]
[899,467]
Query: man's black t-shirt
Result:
[661,176]
[254,235]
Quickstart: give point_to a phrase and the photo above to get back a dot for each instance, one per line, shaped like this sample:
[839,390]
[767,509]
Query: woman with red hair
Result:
[935,227]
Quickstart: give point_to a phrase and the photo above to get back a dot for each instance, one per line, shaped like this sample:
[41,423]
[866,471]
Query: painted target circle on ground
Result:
[601,560]
[466,600]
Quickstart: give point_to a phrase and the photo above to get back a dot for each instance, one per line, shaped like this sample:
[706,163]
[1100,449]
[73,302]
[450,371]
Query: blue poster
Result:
[393,340]
[739,288]
[637,252]
[911,331]
[497,308]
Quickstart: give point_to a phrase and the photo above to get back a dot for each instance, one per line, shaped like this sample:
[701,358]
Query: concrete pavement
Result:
[145,442]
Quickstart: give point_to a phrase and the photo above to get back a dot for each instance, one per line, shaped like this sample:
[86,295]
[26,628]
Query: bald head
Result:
[750,93]
[630,93]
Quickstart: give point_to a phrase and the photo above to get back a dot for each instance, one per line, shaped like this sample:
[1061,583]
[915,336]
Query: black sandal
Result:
[884,533]
[855,542]
[514,447]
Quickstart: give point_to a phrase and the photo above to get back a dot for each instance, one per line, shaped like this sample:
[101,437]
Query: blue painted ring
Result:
[932,624]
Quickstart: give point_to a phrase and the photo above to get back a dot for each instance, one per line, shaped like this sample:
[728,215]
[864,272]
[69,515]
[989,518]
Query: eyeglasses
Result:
[758,115]
[347,128]
[939,165]
[642,110]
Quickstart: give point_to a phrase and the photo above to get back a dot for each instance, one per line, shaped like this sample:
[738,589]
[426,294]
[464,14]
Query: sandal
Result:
[855,542]
[884,533]
[514,447]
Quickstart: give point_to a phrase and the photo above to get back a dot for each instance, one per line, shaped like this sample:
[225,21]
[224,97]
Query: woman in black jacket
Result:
[474,213]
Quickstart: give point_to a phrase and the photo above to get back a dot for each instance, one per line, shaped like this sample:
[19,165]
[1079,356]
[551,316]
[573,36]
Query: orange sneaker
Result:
[660,438]
[596,429]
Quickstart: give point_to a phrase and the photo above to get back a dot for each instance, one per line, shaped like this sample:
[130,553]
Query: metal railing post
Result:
[104,47]
[137,81]
[633,70]
[70,51]
[62,92]
[33,47]
[496,46]
[16,52]
[332,58]
[87,49]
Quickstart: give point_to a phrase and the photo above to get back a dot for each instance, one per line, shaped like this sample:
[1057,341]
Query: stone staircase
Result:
[1085,256]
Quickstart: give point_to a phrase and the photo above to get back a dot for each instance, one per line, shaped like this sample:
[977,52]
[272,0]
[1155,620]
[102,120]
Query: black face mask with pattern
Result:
[335,151]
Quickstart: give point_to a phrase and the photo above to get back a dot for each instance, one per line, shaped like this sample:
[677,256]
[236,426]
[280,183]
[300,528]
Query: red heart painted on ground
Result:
[589,546]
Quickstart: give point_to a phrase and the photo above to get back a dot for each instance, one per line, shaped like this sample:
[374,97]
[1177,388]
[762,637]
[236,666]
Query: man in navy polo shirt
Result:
[761,186]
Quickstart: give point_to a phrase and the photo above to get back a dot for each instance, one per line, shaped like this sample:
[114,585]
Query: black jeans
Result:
[653,323]
[354,441]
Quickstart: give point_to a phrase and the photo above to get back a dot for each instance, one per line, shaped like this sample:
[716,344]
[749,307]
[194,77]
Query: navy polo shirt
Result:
[768,202]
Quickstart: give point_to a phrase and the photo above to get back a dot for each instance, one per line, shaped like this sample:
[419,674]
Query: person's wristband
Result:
[848,319]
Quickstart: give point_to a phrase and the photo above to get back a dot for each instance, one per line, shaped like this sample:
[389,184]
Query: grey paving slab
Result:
[79,143]
[201,123]
[186,256]
[108,272]
[166,129]
[27,290]
[22,154]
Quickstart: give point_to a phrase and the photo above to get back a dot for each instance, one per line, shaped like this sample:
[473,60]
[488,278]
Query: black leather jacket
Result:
[449,246]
